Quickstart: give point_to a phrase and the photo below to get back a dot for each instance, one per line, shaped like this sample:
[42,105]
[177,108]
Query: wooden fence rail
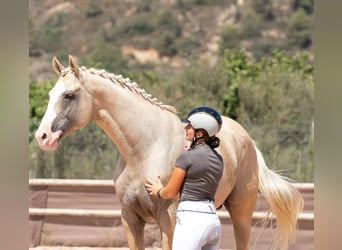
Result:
[97,213]
[85,212]
[110,183]
[110,214]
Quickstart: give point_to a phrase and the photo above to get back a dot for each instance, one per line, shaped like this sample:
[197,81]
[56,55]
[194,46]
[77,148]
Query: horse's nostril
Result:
[44,136]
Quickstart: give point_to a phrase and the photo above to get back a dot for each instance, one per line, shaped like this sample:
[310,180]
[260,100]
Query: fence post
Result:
[37,199]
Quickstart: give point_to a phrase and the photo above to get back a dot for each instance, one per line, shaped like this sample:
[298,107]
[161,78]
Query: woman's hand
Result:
[152,187]
[171,189]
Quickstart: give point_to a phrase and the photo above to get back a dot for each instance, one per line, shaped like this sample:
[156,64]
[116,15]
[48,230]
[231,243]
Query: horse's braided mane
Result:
[132,86]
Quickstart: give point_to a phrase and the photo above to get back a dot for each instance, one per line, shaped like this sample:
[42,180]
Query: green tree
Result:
[299,29]
[106,56]
[263,8]
[272,97]
[51,35]
[306,5]
[237,66]
[251,24]
[93,9]
[276,107]
[229,38]
[200,83]
[38,99]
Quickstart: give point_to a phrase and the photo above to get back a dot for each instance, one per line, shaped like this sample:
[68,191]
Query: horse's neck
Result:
[131,122]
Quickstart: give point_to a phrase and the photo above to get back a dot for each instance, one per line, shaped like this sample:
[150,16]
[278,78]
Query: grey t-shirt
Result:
[204,167]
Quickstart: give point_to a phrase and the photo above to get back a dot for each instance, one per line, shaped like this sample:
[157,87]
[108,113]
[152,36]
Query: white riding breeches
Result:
[197,227]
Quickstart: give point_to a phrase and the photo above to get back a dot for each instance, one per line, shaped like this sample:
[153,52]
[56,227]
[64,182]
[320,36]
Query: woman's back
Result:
[203,167]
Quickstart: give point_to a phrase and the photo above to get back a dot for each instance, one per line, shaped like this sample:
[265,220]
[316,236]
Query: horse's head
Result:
[69,106]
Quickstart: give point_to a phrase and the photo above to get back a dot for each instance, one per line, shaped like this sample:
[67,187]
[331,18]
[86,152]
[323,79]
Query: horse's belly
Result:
[225,187]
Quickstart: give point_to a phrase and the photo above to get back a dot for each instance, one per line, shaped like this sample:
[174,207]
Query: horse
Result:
[149,136]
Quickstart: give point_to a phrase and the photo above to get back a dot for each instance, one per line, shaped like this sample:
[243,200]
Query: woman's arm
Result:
[171,189]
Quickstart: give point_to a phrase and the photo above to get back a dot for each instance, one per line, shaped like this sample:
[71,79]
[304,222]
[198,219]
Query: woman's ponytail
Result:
[213,142]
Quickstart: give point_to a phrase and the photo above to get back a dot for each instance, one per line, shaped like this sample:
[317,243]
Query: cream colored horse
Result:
[149,136]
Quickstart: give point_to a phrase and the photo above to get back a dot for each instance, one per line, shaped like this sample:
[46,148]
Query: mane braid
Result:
[131,86]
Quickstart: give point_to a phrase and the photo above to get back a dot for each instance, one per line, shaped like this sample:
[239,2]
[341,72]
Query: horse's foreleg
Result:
[134,229]
[120,166]
[166,239]
[167,222]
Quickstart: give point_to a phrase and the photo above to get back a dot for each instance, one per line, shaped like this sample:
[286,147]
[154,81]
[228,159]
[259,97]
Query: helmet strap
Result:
[203,138]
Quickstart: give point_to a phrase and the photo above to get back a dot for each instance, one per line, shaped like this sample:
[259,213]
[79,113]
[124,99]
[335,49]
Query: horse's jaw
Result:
[48,141]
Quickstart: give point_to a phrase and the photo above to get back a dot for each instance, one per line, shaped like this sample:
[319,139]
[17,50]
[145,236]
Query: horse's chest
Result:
[137,204]
[133,196]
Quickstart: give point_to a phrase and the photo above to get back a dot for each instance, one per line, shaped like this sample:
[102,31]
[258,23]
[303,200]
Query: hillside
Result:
[185,53]
[162,35]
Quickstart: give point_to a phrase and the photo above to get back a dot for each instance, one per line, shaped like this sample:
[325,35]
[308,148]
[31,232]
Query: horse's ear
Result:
[57,66]
[73,66]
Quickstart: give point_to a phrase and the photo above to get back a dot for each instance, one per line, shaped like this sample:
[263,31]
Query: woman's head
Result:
[205,118]
[192,134]
[202,124]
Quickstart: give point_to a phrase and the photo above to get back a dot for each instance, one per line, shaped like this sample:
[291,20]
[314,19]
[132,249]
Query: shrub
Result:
[263,8]
[306,5]
[230,38]
[139,24]
[251,23]
[167,21]
[93,9]
[166,44]
[188,46]
[51,33]
[299,29]
[107,56]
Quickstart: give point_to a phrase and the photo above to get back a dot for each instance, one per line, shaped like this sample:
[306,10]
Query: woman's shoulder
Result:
[197,149]
[200,147]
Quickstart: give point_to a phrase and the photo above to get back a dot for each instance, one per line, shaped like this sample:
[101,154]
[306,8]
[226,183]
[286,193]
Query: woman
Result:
[195,177]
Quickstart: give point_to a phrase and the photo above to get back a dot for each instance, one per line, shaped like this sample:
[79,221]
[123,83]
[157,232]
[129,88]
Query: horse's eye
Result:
[69,96]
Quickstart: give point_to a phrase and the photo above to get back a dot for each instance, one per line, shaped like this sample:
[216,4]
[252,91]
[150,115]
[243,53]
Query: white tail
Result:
[285,201]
